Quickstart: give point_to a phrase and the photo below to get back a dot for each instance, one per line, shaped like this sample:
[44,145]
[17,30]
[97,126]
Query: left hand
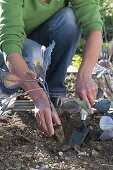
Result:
[47,117]
[87,89]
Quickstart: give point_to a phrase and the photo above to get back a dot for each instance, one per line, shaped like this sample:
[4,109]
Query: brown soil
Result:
[24,147]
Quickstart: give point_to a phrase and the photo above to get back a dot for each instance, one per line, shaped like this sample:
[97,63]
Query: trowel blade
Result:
[78,136]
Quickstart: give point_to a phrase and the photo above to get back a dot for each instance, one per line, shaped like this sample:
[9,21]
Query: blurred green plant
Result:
[106,10]
[76,61]
[80,47]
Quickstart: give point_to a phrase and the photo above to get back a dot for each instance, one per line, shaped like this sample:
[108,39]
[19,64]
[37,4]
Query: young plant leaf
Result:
[47,56]
[102,105]
[39,70]
[6,103]
[11,81]
[99,94]
[106,135]
[82,104]
[106,123]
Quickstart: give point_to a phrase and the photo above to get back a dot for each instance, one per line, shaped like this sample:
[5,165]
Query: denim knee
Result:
[68,17]
[70,24]
[67,22]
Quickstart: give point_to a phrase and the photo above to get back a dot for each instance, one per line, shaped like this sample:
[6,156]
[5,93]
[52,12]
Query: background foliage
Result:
[106,10]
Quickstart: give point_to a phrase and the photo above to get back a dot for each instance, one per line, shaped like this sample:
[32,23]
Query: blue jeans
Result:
[63,29]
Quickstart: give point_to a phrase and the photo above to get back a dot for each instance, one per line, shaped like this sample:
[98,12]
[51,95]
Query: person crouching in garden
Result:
[26,25]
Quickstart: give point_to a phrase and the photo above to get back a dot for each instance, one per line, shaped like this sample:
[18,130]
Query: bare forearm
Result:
[17,66]
[85,85]
[43,112]
[92,52]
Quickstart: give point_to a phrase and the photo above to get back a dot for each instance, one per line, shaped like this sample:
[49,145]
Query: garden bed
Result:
[24,147]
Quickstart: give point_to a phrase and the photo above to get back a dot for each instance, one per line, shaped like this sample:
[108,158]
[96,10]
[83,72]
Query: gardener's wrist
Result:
[84,73]
[42,102]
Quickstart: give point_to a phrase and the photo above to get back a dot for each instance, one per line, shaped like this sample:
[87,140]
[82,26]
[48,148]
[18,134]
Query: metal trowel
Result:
[78,136]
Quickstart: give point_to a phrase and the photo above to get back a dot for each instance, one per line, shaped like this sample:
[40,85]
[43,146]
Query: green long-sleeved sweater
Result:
[20,17]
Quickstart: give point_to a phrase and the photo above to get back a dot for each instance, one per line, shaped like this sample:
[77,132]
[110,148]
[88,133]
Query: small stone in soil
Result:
[41,166]
[44,167]
[91,165]
[55,164]
[1,137]
[56,157]
[60,153]
[83,154]
[66,158]
[66,148]
[77,148]
[94,153]
[85,163]
[99,147]
[37,166]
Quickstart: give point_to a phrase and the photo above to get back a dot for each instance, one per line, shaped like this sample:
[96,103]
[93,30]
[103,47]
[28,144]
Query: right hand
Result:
[46,117]
[87,90]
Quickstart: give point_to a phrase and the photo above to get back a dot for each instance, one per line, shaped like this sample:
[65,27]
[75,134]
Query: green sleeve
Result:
[88,16]
[12,31]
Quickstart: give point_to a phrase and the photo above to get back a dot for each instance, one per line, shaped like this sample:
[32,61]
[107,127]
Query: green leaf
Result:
[82,104]
[102,105]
